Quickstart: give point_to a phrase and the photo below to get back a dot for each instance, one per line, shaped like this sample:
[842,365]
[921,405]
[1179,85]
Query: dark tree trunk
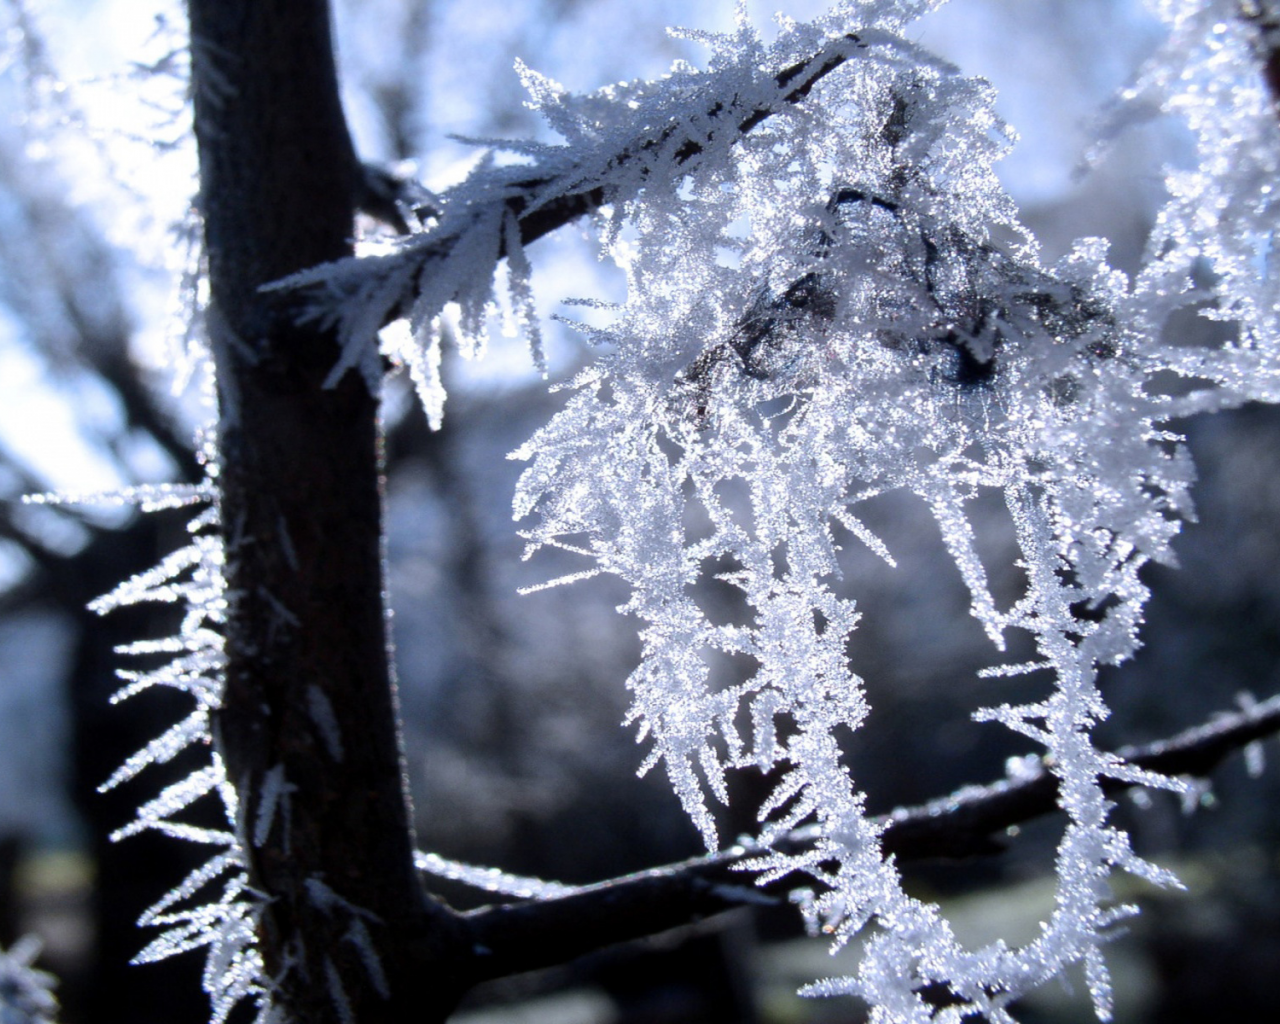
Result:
[309,694]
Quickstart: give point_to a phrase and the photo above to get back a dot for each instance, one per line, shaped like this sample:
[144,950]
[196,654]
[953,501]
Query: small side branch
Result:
[525,936]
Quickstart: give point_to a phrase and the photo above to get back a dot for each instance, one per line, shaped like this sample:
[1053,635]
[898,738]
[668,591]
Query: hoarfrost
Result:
[338,994]
[358,935]
[331,902]
[320,708]
[225,924]
[164,748]
[491,879]
[886,323]
[274,793]
[883,322]
[156,813]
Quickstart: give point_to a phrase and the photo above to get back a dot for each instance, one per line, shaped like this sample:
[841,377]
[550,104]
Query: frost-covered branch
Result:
[623,142]
[537,218]
[970,822]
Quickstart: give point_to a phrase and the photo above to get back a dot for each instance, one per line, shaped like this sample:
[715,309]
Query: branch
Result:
[471,220]
[570,207]
[525,936]
[967,823]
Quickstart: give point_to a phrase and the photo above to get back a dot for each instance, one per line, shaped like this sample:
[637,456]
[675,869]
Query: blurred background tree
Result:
[512,704]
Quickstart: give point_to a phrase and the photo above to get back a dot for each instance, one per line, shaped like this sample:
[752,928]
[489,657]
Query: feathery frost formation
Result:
[830,297]
[192,661]
[1224,210]
[838,302]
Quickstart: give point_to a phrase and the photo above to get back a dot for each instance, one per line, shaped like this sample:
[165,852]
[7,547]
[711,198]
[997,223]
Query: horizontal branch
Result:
[518,937]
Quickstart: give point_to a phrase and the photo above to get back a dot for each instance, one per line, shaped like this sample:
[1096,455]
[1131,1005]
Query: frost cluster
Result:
[840,303]
[1219,222]
[192,661]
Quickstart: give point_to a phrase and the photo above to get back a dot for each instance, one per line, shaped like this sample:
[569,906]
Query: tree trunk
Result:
[309,711]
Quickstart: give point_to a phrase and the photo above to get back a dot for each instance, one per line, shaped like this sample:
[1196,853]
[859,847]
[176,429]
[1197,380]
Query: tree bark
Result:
[309,710]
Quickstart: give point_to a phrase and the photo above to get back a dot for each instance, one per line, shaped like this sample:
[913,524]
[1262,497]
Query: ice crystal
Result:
[358,935]
[321,710]
[272,797]
[833,299]
[26,994]
[224,923]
